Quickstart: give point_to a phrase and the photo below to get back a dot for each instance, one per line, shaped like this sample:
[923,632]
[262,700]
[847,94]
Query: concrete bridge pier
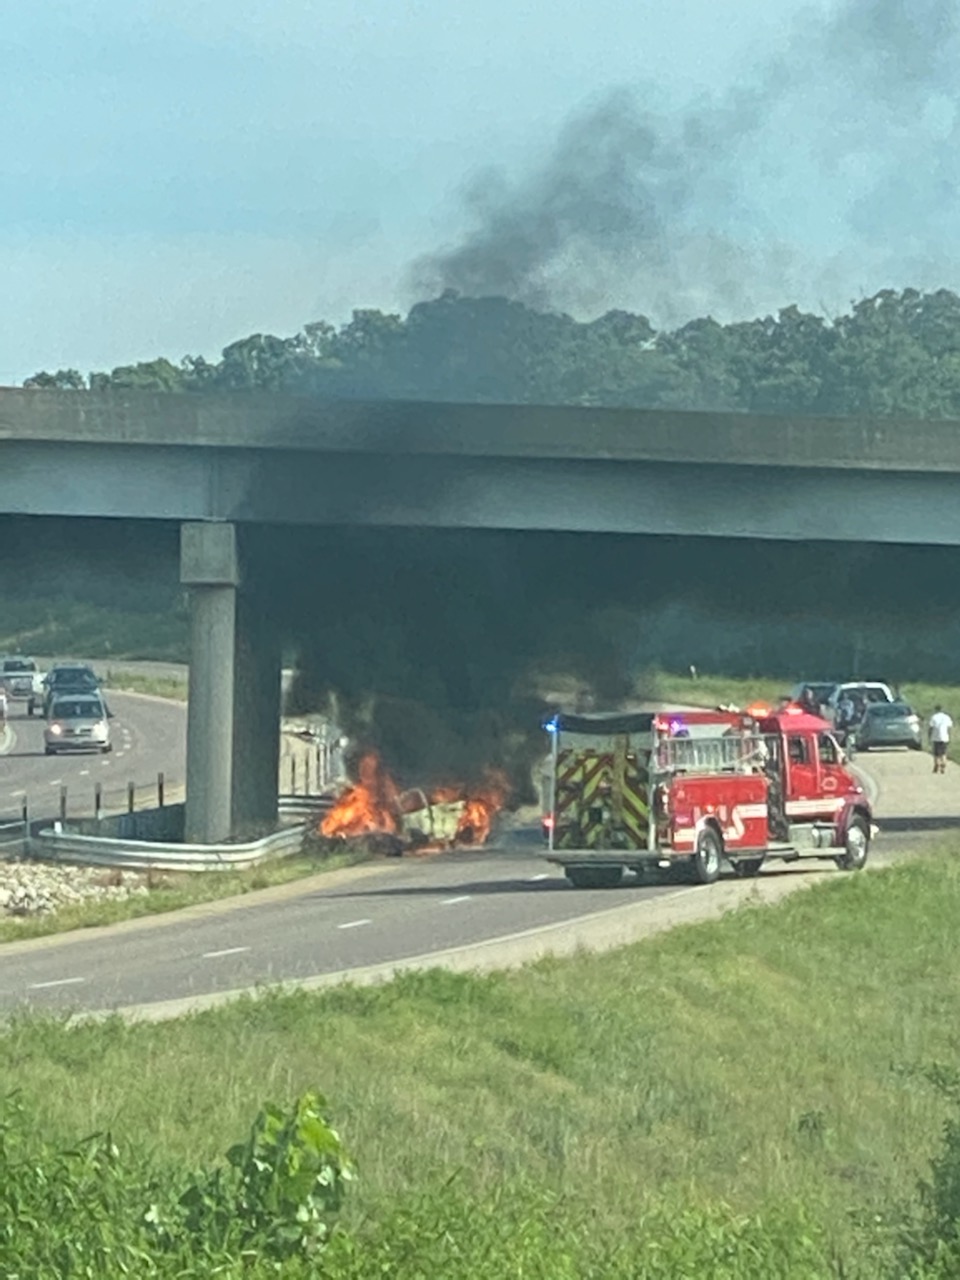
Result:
[233,716]
[256,715]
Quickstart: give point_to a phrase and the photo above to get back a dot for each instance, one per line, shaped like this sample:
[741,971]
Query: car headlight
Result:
[56,729]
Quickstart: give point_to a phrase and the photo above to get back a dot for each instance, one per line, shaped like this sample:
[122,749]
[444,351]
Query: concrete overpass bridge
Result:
[223,466]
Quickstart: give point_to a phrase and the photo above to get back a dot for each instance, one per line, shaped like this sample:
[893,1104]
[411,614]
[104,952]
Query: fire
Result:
[440,818]
[481,808]
[369,807]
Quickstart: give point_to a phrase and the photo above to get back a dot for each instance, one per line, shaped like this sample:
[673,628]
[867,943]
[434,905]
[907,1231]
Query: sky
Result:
[176,176]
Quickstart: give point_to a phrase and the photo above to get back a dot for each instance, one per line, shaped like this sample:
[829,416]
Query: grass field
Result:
[60,626]
[156,686]
[773,1068]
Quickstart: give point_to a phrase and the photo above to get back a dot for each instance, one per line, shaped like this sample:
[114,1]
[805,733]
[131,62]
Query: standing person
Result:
[809,701]
[938,731]
[846,712]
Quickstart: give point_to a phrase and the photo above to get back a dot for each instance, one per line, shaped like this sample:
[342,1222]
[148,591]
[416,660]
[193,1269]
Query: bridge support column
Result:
[256,715]
[208,566]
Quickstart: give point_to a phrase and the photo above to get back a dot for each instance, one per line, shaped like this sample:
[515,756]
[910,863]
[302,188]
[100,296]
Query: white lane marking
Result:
[57,982]
[84,772]
[104,764]
[354,924]
[21,792]
[544,875]
[57,782]
[227,951]
[448,902]
[119,754]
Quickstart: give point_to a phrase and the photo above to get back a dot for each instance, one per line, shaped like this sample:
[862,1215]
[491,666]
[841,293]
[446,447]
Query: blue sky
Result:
[175,175]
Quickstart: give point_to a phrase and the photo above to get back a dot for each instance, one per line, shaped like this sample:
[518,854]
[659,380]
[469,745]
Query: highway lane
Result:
[389,912]
[149,737]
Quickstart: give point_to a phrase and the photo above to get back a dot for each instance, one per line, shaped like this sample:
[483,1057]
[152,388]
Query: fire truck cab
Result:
[692,789]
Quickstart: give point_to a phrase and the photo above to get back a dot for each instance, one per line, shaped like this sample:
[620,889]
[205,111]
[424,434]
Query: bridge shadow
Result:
[557,883]
[915,826]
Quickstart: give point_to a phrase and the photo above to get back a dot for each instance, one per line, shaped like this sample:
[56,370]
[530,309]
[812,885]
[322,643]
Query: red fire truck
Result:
[691,788]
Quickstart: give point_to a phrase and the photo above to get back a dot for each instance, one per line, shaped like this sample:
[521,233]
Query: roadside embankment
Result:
[770,1063]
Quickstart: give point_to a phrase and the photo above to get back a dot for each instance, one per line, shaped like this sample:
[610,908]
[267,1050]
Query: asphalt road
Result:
[395,910]
[149,737]
[374,914]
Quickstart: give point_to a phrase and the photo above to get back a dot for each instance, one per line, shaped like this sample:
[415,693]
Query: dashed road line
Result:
[57,982]
[354,924]
[544,875]
[227,951]
[56,782]
[463,897]
[84,772]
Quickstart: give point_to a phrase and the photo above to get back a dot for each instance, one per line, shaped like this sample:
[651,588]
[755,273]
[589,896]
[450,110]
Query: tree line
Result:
[893,353]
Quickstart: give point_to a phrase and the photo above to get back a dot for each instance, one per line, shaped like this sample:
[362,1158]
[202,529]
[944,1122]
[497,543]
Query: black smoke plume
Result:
[832,168]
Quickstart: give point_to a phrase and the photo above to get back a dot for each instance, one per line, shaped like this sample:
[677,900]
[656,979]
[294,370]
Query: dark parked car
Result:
[888,724]
[65,677]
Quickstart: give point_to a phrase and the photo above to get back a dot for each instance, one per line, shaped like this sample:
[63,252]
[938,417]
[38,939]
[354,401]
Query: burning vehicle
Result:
[375,808]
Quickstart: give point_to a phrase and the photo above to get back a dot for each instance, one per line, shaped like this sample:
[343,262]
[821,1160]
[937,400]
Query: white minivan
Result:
[77,722]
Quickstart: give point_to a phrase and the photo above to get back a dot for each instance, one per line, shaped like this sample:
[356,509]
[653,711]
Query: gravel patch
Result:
[30,888]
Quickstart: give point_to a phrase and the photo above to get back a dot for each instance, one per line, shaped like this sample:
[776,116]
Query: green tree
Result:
[62,380]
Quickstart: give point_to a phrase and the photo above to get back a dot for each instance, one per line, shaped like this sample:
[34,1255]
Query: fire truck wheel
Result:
[708,857]
[856,846]
[748,866]
[594,877]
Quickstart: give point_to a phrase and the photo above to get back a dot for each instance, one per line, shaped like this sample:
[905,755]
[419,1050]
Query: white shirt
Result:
[940,726]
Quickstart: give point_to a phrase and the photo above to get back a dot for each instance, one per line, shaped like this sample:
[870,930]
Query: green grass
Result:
[157,686]
[773,1062]
[712,690]
[60,626]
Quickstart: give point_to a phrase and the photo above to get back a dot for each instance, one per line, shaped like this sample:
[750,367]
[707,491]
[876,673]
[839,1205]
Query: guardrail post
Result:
[131,796]
[63,804]
[160,790]
[293,775]
[98,801]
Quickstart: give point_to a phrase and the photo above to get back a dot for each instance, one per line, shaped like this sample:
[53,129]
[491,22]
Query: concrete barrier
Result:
[164,825]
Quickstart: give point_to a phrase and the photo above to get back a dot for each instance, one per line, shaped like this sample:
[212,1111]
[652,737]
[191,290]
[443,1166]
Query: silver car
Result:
[888,724]
[77,722]
[19,676]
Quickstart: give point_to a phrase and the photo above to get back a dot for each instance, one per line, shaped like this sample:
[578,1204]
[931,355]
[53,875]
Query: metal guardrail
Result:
[57,843]
[146,855]
[305,806]
[14,838]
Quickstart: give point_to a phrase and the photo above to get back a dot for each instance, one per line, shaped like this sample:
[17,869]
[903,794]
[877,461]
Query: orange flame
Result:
[367,808]
[480,808]
[374,805]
